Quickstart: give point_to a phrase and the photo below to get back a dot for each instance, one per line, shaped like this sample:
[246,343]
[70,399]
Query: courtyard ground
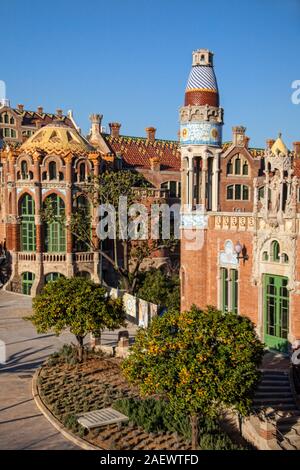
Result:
[22,426]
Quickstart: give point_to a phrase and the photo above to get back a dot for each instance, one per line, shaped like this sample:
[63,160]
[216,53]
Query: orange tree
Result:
[76,304]
[199,360]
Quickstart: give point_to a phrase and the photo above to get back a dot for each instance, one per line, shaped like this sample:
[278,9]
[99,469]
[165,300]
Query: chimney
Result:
[150,131]
[21,107]
[246,141]
[115,129]
[40,110]
[270,143]
[59,113]
[95,131]
[238,136]
[296,146]
[154,163]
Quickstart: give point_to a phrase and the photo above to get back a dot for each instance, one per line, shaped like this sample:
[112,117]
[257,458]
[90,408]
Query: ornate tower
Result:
[201,120]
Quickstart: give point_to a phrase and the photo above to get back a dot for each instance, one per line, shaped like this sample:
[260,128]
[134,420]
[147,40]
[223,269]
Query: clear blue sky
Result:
[129,60]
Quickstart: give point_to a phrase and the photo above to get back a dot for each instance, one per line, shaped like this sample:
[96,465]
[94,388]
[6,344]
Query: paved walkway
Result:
[22,426]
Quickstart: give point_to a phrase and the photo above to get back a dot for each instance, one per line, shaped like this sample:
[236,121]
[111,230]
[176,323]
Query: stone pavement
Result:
[22,426]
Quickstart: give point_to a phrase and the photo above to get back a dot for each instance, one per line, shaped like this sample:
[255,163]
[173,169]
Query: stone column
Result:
[15,227]
[38,202]
[203,182]
[191,183]
[215,183]
[95,158]
[266,195]
[68,209]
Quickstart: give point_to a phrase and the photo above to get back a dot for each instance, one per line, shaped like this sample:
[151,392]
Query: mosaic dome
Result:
[57,138]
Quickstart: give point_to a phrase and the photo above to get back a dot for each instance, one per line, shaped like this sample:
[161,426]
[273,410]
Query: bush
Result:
[154,415]
[160,288]
[70,422]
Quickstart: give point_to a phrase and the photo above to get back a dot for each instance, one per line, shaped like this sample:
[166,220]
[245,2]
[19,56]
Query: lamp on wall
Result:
[241,252]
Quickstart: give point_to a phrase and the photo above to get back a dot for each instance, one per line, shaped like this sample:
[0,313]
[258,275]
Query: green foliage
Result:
[67,355]
[109,186]
[199,360]
[78,304]
[70,422]
[160,288]
[155,415]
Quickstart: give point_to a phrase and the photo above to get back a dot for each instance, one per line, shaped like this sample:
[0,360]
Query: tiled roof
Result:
[29,118]
[137,151]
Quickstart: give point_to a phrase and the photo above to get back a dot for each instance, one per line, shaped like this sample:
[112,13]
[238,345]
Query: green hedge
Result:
[154,415]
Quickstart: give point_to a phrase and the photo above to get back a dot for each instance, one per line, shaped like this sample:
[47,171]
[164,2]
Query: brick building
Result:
[242,206]
[44,158]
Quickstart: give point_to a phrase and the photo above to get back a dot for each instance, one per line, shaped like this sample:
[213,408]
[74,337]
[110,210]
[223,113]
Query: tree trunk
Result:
[80,347]
[195,433]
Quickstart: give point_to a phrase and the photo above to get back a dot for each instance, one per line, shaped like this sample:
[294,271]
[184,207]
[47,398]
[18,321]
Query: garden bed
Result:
[68,389]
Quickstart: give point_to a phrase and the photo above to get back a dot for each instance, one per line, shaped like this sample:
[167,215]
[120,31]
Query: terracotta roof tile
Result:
[137,151]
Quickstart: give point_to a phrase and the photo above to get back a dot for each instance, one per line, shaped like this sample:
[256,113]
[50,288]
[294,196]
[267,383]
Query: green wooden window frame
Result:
[234,290]
[224,287]
[265,256]
[27,282]
[275,251]
[276,312]
[55,232]
[229,290]
[28,230]
[52,277]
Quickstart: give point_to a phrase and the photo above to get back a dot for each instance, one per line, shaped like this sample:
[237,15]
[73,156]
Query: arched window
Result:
[82,172]
[52,171]
[27,232]
[237,166]
[84,274]
[6,118]
[27,281]
[229,168]
[265,256]
[24,169]
[245,193]
[245,169]
[12,120]
[275,251]
[55,231]
[230,192]
[52,277]
[284,258]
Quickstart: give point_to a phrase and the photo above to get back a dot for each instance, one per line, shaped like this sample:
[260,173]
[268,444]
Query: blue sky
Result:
[129,60]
